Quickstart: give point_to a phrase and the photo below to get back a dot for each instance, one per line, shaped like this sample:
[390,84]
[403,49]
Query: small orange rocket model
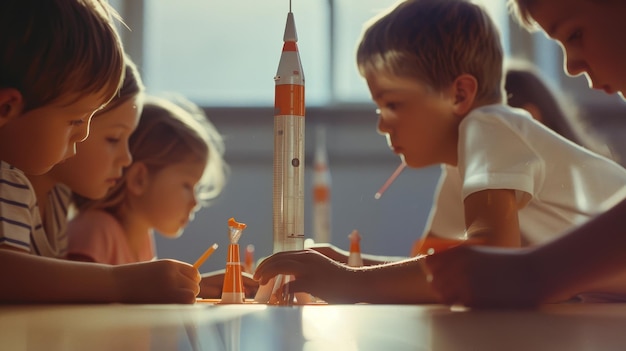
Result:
[232,290]
[355,259]
[321,190]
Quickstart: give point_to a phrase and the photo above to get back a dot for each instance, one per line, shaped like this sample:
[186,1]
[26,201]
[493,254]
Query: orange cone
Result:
[355,259]
[232,290]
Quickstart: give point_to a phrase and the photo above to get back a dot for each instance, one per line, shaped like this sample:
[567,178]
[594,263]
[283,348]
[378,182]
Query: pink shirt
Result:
[98,235]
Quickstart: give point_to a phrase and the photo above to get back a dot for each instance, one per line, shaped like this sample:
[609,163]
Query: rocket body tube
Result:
[289,112]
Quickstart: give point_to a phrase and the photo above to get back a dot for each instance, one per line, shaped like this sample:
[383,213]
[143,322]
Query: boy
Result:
[591,257]
[434,68]
[62,60]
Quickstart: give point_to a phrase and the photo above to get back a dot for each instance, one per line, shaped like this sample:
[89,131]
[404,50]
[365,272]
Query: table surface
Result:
[215,327]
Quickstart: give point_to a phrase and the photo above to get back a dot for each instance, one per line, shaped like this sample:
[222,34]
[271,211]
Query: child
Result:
[95,168]
[589,258]
[47,97]
[178,160]
[434,68]
[524,90]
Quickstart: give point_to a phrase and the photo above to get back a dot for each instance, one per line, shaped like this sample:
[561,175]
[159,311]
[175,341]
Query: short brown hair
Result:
[435,41]
[57,49]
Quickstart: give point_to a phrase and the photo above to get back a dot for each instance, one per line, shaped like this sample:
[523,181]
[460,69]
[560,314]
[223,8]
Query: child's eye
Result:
[77,122]
[576,35]
[392,106]
[113,140]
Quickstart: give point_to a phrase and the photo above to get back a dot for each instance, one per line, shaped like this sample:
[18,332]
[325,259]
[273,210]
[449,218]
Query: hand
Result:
[332,251]
[487,277]
[314,273]
[161,281]
[212,283]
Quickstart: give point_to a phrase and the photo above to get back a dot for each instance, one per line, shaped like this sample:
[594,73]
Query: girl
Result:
[177,166]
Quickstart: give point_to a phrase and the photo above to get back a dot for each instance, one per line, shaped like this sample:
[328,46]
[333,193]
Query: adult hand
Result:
[484,277]
[314,273]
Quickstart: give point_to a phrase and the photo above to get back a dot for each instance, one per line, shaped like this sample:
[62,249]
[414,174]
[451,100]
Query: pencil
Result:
[204,256]
[393,177]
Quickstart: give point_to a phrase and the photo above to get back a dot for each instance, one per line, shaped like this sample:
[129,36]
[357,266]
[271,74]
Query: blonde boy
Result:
[62,60]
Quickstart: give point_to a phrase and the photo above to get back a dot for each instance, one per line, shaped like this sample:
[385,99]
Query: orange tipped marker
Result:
[355,259]
[232,290]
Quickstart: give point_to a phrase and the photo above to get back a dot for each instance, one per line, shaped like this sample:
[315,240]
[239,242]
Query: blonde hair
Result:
[57,49]
[131,86]
[169,133]
[435,41]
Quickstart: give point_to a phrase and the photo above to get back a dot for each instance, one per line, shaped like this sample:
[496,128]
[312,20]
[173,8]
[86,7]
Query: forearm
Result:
[584,258]
[401,282]
[34,279]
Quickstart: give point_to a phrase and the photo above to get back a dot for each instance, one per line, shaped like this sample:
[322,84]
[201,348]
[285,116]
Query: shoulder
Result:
[93,221]
[15,188]
[497,113]
[13,177]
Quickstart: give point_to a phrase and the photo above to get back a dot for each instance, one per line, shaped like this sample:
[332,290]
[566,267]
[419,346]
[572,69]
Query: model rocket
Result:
[288,195]
[321,190]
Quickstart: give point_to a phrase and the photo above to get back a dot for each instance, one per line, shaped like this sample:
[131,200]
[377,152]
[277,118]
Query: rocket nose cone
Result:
[290,29]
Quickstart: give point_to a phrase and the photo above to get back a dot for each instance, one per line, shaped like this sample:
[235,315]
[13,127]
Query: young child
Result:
[590,258]
[524,89]
[95,168]
[47,97]
[434,68]
[177,160]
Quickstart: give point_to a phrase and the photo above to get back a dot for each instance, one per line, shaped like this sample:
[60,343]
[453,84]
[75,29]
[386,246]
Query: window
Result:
[225,53]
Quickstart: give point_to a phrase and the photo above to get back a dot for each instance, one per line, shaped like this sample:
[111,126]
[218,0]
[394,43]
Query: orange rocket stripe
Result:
[290,46]
[289,100]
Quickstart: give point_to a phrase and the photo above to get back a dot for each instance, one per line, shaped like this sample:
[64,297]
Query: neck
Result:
[137,230]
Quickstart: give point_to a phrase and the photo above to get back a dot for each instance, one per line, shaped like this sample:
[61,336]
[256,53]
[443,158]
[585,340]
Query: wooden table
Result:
[256,327]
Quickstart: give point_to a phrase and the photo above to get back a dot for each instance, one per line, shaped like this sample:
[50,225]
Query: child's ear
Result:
[136,178]
[11,104]
[464,92]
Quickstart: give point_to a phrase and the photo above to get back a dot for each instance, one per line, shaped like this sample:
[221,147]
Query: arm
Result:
[398,282]
[341,256]
[588,258]
[33,279]
[491,218]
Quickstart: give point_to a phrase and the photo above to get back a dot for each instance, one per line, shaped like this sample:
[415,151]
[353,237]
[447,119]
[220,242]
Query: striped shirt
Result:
[20,222]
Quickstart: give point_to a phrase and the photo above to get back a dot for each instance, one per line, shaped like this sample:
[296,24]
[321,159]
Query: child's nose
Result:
[382,126]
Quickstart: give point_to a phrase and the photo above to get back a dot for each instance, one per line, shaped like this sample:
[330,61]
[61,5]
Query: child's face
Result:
[419,124]
[101,158]
[45,136]
[168,201]
[590,34]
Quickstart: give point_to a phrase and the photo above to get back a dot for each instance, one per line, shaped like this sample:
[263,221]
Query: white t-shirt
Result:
[558,183]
